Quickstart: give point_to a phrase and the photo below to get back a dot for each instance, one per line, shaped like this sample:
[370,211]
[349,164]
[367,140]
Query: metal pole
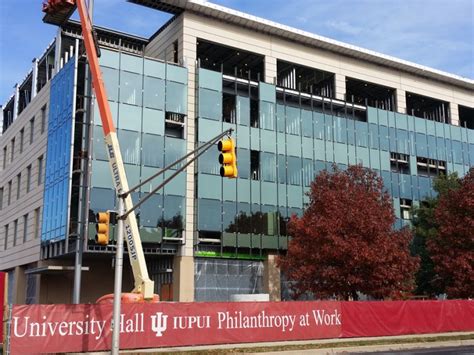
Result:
[118,279]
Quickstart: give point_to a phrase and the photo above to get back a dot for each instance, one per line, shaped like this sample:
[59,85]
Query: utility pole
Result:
[118,279]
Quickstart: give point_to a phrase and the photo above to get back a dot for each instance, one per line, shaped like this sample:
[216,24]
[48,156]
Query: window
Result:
[25,227]
[12,155]
[405,208]
[5,245]
[28,178]
[22,136]
[18,186]
[268,170]
[4,157]
[15,231]
[43,119]
[40,170]
[254,113]
[9,193]
[1,198]
[399,163]
[229,109]
[32,129]
[174,125]
[175,51]
[430,167]
[37,223]
[254,165]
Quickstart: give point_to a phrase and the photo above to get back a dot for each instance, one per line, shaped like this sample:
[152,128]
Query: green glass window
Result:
[130,146]
[173,212]
[208,162]
[293,125]
[151,211]
[361,133]
[308,173]
[243,110]
[280,113]
[281,169]
[174,149]
[307,123]
[153,121]
[209,215]
[294,170]
[243,163]
[318,118]
[130,117]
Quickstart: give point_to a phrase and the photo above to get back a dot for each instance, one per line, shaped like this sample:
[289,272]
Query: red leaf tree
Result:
[345,242]
[452,247]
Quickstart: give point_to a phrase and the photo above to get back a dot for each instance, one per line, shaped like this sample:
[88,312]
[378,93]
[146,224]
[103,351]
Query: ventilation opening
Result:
[399,163]
[405,208]
[255,165]
[430,167]
[174,125]
[427,108]
[369,94]
[230,61]
[305,79]
[229,108]
[466,117]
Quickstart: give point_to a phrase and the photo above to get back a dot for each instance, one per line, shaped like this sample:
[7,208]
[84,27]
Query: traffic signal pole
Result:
[118,279]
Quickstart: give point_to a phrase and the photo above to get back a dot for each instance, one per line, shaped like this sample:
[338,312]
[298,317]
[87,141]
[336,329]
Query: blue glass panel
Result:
[210,79]
[209,215]
[383,136]
[267,115]
[210,186]
[109,58]
[151,211]
[340,129]
[432,147]
[362,133]
[405,186]
[130,88]
[293,145]
[267,141]
[131,63]
[153,121]
[387,181]
[58,155]
[293,123]
[318,125]
[424,187]
[268,166]
[308,172]
[373,136]
[176,73]
[176,97]
[281,169]
[243,163]
[294,170]
[210,104]
[328,127]
[209,129]
[152,149]
[130,117]
[154,93]
[421,145]
[174,149]
[457,152]
[154,68]
[280,114]
[208,163]
[243,110]
[307,123]
[111,81]
[130,146]
[267,92]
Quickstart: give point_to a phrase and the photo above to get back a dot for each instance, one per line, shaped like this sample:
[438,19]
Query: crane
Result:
[62,9]
[57,12]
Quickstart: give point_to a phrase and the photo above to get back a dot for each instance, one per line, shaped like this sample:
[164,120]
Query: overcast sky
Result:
[435,33]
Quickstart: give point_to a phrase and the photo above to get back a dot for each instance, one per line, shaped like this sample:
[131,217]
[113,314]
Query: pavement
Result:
[334,346]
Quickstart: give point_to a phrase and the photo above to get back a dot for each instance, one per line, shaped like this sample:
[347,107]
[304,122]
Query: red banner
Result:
[73,328]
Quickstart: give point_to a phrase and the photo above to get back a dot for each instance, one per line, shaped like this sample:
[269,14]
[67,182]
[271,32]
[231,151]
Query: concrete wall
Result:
[28,251]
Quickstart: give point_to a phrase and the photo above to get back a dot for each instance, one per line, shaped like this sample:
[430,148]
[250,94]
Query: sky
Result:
[434,33]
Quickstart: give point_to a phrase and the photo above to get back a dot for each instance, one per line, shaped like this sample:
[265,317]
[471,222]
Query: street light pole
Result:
[118,279]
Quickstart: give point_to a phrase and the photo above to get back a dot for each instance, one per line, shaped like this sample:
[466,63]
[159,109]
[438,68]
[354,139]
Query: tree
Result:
[345,242]
[425,228]
[452,247]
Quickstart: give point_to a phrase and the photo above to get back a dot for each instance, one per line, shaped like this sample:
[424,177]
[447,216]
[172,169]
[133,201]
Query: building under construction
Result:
[297,102]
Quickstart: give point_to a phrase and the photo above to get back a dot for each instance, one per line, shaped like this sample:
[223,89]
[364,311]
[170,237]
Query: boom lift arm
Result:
[143,284]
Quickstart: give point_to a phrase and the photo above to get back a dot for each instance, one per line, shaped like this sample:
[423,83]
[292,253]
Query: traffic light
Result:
[102,228]
[227,158]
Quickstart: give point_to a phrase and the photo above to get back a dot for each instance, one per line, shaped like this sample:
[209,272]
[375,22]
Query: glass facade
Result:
[142,92]
[57,184]
[280,156]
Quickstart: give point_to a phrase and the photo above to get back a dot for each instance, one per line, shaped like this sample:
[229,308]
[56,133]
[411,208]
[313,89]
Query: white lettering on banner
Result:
[238,320]
[45,329]
[159,323]
[323,318]
[190,322]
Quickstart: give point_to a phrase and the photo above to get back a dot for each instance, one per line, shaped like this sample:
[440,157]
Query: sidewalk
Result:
[327,346]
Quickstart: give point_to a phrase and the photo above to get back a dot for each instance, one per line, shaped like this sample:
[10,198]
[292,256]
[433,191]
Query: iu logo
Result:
[158,323]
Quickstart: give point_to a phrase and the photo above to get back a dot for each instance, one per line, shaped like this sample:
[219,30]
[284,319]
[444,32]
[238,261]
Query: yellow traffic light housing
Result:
[102,228]
[227,158]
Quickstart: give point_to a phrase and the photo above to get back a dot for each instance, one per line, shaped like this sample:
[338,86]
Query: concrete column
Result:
[401,104]
[34,79]
[270,70]
[340,86]
[19,286]
[454,113]
[271,278]
[16,100]
[183,278]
